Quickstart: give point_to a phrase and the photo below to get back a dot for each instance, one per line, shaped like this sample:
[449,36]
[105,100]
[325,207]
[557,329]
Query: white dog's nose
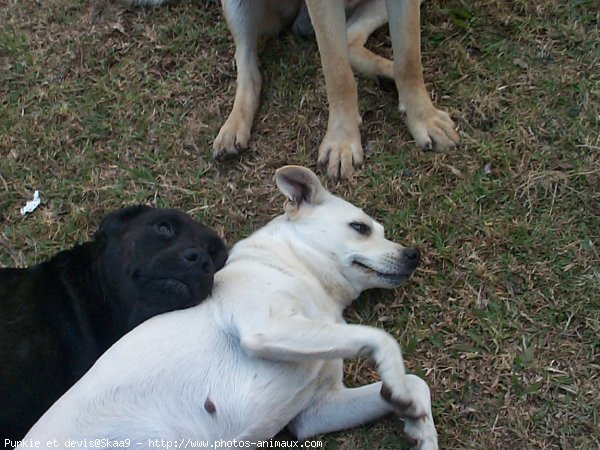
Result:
[411,257]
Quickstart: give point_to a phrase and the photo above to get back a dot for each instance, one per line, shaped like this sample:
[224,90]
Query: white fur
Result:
[266,349]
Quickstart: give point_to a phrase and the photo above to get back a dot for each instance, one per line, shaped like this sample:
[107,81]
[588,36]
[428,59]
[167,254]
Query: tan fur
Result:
[341,45]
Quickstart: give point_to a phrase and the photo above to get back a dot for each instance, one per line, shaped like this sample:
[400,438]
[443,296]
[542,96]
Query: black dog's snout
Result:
[411,255]
[195,257]
[191,255]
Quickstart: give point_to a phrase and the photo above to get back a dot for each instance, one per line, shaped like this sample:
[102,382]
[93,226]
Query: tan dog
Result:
[341,45]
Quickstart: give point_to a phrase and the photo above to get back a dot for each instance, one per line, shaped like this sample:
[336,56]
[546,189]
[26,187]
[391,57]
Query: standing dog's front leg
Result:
[300,339]
[429,126]
[341,149]
[243,18]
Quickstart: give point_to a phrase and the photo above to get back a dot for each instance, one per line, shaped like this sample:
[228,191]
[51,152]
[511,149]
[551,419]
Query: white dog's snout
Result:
[410,258]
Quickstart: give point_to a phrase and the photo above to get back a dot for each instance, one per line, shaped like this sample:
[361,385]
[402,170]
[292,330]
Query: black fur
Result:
[58,317]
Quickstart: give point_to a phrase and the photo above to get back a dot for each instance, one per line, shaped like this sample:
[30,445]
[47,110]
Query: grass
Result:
[102,106]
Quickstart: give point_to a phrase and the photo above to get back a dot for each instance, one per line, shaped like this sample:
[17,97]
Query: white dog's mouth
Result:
[393,277]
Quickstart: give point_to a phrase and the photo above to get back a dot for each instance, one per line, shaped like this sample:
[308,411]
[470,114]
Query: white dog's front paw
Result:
[341,152]
[412,401]
[405,403]
[421,433]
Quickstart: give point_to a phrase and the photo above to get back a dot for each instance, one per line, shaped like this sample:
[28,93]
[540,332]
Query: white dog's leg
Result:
[348,408]
[318,340]
[429,126]
[341,409]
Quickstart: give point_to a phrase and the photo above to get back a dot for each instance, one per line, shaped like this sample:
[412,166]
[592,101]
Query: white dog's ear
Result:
[300,185]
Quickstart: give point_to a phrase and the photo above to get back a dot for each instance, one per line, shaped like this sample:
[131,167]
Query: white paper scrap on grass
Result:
[31,204]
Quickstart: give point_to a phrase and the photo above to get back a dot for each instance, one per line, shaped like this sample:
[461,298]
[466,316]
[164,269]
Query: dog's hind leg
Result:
[429,126]
[341,149]
[347,408]
[243,18]
[366,18]
[341,409]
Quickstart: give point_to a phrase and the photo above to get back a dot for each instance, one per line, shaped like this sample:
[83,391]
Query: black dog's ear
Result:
[114,222]
[218,252]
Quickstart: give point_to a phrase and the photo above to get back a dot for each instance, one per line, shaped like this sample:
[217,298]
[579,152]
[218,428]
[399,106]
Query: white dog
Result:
[265,351]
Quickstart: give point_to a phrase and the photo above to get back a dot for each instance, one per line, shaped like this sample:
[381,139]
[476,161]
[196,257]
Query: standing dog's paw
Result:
[340,153]
[231,140]
[432,128]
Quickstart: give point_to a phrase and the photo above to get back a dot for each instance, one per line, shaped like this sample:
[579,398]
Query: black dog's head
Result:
[157,260]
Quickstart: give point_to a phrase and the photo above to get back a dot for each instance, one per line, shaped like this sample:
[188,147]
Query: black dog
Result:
[58,317]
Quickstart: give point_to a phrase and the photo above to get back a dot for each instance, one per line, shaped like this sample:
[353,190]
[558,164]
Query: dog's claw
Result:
[219,155]
[386,393]
[432,128]
[434,133]
[231,141]
[341,155]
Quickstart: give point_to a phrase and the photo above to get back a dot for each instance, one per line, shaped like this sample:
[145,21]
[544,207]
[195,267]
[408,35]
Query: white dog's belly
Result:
[209,389]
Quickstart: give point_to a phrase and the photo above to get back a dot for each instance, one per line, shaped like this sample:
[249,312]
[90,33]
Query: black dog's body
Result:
[58,317]
[55,323]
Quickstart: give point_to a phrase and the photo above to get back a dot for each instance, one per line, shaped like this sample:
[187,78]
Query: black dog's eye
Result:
[164,228]
[361,228]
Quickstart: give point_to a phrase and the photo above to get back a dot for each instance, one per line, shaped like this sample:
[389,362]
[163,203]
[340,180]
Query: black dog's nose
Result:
[191,254]
[195,257]
[412,255]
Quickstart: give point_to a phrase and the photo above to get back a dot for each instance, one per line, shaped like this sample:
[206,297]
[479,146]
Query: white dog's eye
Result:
[362,228]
